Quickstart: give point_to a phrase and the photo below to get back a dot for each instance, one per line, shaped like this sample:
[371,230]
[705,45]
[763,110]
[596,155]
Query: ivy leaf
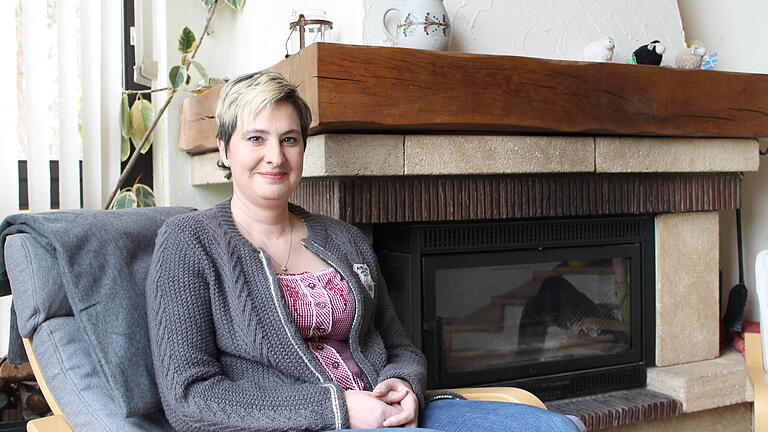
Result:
[201,70]
[142,115]
[125,117]
[144,195]
[235,4]
[186,41]
[177,76]
[125,148]
[207,3]
[125,199]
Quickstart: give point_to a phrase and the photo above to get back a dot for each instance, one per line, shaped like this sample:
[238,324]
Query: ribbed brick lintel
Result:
[449,198]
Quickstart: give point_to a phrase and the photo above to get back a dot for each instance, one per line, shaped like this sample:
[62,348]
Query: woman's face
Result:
[266,155]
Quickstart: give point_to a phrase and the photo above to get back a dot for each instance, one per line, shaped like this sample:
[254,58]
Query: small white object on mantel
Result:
[690,58]
[600,50]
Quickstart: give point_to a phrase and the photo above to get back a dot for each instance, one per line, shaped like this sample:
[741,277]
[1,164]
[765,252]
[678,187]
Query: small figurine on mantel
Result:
[709,61]
[600,50]
[650,54]
[691,57]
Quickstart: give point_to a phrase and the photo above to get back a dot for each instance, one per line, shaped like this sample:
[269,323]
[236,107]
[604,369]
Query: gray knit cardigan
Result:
[227,356]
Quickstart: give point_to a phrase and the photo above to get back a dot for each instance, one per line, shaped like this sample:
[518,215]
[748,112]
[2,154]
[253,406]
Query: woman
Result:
[266,317]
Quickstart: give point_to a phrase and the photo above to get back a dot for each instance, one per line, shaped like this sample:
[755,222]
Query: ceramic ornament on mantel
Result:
[690,58]
[650,54]
[600,50]
[421,24]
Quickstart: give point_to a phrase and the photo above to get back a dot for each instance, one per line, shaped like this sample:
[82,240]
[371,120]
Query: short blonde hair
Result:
[246,95]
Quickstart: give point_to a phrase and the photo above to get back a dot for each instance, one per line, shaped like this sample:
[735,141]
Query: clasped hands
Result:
[391,404]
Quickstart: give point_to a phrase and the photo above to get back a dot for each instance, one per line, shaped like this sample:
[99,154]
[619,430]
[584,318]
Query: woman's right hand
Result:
[366,411]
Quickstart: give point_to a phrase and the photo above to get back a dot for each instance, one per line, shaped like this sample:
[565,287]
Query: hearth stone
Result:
[618,408]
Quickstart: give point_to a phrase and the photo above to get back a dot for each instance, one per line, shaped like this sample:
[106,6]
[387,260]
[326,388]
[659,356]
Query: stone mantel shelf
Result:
[354,155]
[369,89]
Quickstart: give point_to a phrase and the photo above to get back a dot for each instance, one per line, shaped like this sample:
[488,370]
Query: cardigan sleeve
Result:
[196,392]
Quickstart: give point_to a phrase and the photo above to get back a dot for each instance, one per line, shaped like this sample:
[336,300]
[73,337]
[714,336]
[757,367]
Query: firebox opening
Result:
[559,307]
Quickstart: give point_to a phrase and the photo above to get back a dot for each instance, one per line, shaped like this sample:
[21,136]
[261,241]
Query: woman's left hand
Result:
[398,392]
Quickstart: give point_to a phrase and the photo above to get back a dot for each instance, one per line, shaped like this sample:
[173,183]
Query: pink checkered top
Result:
[322,307]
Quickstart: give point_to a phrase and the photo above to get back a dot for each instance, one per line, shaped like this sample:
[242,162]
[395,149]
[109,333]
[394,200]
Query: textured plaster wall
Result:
[549,28]
[736,30]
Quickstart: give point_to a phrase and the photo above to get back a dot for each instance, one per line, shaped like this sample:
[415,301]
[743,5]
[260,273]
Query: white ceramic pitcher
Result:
[422,24]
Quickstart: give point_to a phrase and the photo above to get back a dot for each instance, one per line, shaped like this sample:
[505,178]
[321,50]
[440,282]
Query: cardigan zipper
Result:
[273,288]
[359,306]
[283,317]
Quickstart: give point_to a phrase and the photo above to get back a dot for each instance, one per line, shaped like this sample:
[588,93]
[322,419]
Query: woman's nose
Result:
[274,154]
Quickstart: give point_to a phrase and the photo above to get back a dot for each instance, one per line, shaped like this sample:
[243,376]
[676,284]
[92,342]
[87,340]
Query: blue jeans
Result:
[485,416]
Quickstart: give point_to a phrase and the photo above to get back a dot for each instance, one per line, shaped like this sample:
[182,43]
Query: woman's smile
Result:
[273,175]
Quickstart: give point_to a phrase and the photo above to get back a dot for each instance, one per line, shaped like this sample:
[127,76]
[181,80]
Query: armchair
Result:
[88,362]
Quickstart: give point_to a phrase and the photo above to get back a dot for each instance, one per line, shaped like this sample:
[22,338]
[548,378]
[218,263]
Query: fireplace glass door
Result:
[496,315]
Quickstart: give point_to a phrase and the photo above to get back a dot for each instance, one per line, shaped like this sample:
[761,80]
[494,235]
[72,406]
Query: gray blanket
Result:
[104,258]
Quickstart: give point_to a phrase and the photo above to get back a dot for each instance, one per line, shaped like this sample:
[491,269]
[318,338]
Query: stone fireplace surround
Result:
[684,182]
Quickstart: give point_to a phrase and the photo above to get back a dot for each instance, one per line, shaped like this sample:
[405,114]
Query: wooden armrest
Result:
[54,423]
[759,378]
[39,376]
[501,394]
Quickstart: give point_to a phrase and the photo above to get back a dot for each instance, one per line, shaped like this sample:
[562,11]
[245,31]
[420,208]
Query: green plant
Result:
[139,121]
[139,195]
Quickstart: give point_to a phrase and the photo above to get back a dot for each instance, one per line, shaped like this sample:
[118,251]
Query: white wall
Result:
[261,30]
[172,167]
[736,30]
[553,29]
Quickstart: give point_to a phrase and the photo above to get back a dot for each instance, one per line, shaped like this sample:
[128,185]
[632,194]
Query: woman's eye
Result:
[290,140]
[255,139]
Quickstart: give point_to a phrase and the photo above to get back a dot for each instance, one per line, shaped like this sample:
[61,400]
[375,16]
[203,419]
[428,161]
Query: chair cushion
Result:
[78,387]
[34,275]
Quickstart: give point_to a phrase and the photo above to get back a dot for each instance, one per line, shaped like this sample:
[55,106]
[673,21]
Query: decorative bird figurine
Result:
[649,54]
[600,50]
[690,58]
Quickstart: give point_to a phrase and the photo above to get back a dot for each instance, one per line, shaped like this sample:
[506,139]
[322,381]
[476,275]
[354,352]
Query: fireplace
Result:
[561,307]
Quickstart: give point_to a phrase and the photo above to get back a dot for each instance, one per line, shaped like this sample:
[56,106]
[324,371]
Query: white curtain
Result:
[70,94]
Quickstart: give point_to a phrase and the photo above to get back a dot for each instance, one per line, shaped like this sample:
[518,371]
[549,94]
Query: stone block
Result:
[704,385]
[205,171]
[687,309]
[333,155]
[655,154]
[497,154]
[736,418]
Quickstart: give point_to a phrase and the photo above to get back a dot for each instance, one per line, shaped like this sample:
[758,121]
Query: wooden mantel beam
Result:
[371,89]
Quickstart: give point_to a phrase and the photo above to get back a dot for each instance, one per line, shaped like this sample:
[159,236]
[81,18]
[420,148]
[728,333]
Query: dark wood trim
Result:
[454,198]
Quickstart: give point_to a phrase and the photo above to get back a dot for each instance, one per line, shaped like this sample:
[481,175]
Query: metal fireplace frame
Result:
[406,251]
